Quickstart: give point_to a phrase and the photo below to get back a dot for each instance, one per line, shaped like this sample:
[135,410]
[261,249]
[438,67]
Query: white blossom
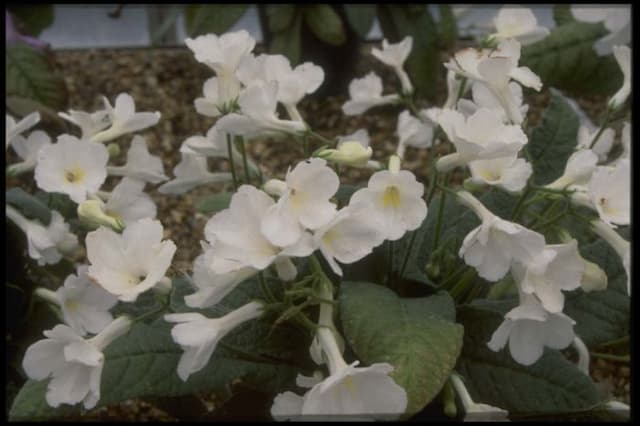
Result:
[603,145]
[365,93]
[484,98]
[610,192]
[482,136]
[128,202]
[621,246]
[396,197]
[27,149]
[14,128]
[578,170]
[351,153]
[71,166]
[124,119]
[496,243]
[46,244]
[395,56]
[90,123]
[199,336]
[623,57]
[191,171]
[412,131]
[509,173]
[73,363]
[140,164]
[519,23]
[616,19]
[474,411]
[529,328]
[214,144]
[304,203]
[130,263]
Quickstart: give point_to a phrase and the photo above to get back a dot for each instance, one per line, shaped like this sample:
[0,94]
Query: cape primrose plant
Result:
[341,302]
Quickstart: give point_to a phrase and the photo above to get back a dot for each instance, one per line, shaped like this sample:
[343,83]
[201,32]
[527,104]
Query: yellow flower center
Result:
[74,175]
[71,305]
[391,197]
[329,237]
[490,175]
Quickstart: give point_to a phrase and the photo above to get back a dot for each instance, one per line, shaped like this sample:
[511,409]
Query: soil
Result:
[169,79]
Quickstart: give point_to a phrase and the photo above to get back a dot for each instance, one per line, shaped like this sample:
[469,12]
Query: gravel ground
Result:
[168,80]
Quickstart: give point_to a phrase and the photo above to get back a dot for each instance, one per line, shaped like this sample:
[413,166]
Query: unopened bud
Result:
[113,149]
[593,278]
[275,187]
[351,153]
[92,215]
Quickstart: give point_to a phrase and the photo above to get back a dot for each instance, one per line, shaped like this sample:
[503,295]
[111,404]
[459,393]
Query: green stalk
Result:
[245,164]
[265,288]
[602,127]
[231,163]
[517,210]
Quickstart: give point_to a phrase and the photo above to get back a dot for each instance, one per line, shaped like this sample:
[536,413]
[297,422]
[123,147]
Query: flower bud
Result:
[113,149]
[351,153]
[593,278]
[275,187]
[91,215]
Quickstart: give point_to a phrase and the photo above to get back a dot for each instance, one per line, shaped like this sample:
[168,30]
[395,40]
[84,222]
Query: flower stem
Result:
[460,288]
[265,288]
[408,253]
[245,165]
[231,163]
[436,238]
[517,210]
[610,357]
[47,295]
[602,128]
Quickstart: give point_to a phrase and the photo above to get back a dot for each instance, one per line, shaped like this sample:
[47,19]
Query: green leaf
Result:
[562,14]
[60,202]
[552,142]
[601,316]
[566,59]
[423,64]
[214,203]
[360,17]
[325,23]
[169,18]
[212,18]
[416,336]
[29,206]
[29,75]
[447,27]
[287,42]
[280,16]
[551,385]
[143,362]
[21,107]
[32,20]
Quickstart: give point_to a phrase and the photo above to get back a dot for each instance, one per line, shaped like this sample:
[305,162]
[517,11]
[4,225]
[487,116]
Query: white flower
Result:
[128,202]
[495,69]
[75,364]
[124,119]
[72,166]
[509,173]
[481,136]
[191,171]
[85,306]
[621,246]
[453,89]
[92,215]
[518,23]
[580,166]
[395,55]
[476,412]
[210,105]
[223,55]
[610,192]
[496,243]
[623,57]
[293,84]
[529,329]
[397,198]
[616,19]
[129,264]
[304,202]
[412,131]
[198,335]
[46,244]
[140,164]
[27,149]
[14,129]
[214,144]
[90,123]
[212,287]
[236,238]
[557,268]
[484,98]
[603,145]
[365,93]
[258,104]
[350,391]
[361,136]
[350,236]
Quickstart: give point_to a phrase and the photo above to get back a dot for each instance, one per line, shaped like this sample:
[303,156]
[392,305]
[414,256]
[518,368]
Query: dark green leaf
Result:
[565,59]
[60,202]
[212,18]
[551,385]
[325,23]
[29,205]
[562,14]
[29,75]
[280,16]
[361,17]
[143,363]
[553,141]
[601,316]
[214,203]
[423,65]
[32,19]
[287,42]
[20,107]
[416,336]
[447,26]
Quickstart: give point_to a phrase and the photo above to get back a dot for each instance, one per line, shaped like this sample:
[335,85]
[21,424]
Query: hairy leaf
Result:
[360,17]
[212,18]
[325,23]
